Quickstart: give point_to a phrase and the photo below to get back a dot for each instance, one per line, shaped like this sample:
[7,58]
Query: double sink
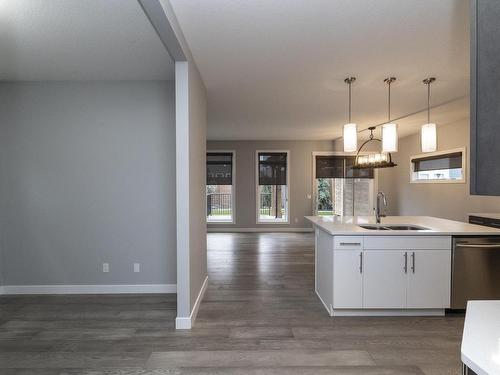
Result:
[392,227]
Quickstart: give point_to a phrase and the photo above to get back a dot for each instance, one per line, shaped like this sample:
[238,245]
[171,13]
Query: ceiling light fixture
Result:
[350,133]
[373,160]
[389,130]
[428,132]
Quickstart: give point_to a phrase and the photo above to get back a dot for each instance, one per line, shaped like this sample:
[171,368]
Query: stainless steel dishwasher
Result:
[475,270]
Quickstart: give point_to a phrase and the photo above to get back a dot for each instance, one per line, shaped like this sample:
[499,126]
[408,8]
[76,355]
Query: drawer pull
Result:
[350,244]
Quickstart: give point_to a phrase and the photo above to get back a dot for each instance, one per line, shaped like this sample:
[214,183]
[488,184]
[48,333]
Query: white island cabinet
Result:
[383,275]
[399,267]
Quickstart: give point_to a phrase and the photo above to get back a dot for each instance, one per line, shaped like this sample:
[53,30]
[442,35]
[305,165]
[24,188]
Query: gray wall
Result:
[87,175]
[197,173]
[300,179]
[449,201]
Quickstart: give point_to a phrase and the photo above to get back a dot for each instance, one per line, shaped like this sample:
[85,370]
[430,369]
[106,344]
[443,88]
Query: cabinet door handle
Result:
[350,244]
[406,263]
[413,262]
[361,262]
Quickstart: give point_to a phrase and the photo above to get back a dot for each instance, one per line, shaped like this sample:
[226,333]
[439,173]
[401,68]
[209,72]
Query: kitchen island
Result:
[399,267]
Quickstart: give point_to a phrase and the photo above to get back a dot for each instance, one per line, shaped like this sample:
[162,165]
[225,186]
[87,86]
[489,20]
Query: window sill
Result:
[273,222]
[462,181]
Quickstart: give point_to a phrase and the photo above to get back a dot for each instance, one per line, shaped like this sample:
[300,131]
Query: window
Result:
[220,197]
[443,166]
[341,190]
[272,187]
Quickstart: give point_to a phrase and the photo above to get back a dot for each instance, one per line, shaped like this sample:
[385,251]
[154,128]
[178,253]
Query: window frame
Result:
[233,190]
[314,182]
[463,180]
[257,190]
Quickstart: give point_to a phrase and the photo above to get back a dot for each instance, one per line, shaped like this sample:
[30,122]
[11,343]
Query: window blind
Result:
[432,163]
[219,168]
[339,166]
[272,168]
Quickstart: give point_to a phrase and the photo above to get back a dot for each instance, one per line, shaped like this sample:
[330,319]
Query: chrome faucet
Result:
[378,210]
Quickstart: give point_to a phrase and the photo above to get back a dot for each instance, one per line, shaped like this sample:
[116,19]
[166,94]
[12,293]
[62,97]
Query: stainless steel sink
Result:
[392,227]
[374,227]
[406,227]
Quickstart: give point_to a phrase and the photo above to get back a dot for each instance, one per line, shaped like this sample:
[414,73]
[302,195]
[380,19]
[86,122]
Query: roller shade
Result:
[330,166]
[432,163]
[338,166]
[272,168]
[219,168]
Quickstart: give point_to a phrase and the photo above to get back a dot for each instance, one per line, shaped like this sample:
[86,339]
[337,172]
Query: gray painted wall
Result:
[197,173]
[87,175]
[300,179]
[449,201]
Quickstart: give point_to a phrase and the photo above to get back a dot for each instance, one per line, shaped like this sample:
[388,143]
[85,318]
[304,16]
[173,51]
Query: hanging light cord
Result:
[389,103]
[428,102]
[349,101]
[349,81]
[428,82]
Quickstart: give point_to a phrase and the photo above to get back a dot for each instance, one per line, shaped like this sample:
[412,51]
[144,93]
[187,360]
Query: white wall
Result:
[87,175]
[449,201]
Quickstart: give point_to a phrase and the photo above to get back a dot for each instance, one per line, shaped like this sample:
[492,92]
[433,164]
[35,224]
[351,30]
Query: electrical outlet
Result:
[105,267]
[137,267]
[296,220]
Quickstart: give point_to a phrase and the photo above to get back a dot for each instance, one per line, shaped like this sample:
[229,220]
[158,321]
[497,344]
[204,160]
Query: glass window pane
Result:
[440,174]
[344,196]
[219,203]
[273,203]
[324,203]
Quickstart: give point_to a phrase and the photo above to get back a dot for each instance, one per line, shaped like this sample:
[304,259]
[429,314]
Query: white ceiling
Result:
[79,40]
[274,69]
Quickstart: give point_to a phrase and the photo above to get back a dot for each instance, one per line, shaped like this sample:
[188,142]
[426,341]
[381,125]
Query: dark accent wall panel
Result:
[485,97]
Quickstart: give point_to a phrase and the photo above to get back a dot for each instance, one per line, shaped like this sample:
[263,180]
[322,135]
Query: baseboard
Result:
[188,322]
[257,230]
[328,308]
[388,312]
[89,289]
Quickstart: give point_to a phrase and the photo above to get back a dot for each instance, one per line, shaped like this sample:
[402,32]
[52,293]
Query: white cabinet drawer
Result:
[348,242]
[408,242]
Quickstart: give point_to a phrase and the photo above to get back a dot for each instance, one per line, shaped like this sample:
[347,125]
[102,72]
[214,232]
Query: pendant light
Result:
[389,130]
[350,133]
[428,133]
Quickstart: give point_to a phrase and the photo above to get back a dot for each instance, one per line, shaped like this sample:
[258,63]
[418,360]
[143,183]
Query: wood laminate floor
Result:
[259,316]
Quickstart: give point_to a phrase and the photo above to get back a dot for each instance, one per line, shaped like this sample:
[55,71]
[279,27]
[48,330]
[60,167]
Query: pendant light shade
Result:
[389,130]
[428,137]
[390,137]
[350,137]
[350,133]
[428,132]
